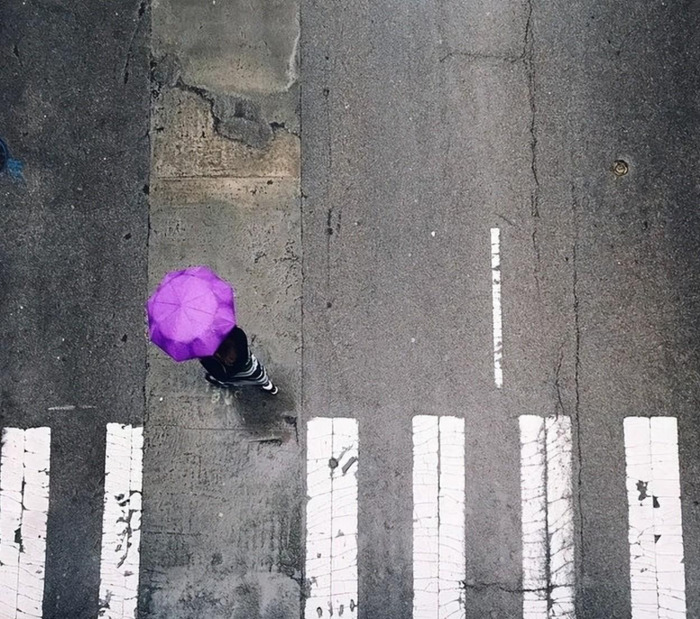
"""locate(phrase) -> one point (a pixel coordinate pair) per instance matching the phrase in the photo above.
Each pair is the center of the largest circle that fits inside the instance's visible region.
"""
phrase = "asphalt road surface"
(74, 112)
(425, 125)
(500, 226)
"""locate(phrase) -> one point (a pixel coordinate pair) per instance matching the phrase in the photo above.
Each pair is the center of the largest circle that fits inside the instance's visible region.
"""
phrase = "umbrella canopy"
(190, 313)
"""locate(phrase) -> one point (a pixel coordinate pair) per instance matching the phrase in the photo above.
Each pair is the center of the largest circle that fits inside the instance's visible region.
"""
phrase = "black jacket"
(224, 373)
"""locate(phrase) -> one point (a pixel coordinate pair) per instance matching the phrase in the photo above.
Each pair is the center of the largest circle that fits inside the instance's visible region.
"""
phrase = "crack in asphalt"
(130, 49)
(576, 418)
(557, 383)
(480, 56)
(478, 586)
(529, 63)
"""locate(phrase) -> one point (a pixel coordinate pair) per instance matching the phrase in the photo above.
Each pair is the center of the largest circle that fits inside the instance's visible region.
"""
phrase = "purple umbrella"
(190, 313)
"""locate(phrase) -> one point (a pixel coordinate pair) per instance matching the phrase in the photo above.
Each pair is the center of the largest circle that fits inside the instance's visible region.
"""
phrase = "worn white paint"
(439, 562)
(71, 407)
(496, 303)
(547, 517)
(657, 574)
(24, 506)
(121, 522)
(331, 517)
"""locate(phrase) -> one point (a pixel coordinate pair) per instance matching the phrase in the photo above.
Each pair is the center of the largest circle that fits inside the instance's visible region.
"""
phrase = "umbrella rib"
(197, 309)
(175, 309)
(199, 296)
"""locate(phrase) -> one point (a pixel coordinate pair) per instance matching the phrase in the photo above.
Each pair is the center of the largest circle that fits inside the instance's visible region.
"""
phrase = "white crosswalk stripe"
(547, 517)
(121, 522)
(439, 562)
(24, 505)
(657, 573)
(331, 517)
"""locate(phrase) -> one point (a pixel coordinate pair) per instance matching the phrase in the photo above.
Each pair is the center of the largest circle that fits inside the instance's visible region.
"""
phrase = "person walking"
(233, 365)
(192, 315)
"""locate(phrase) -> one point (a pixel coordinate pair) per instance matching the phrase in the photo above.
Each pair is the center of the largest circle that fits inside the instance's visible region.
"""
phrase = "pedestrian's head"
(226, 352)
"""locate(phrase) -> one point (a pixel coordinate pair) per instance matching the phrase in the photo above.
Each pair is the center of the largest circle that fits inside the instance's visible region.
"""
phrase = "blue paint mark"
(14, 167)
(4, 155)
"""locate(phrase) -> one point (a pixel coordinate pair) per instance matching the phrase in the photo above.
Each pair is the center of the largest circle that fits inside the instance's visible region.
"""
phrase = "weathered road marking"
(439, 562)
(331, 517)
(657, 575)
(496, 301)
(24, 506)
(121, 522)
(547, 517)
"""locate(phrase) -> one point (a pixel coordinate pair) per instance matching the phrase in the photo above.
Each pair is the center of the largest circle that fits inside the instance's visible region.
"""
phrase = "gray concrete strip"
(223, 470)
(233, 48)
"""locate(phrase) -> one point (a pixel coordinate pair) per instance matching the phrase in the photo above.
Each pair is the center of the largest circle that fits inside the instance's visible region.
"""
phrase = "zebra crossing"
(656, 562)
(657, 577)
(25, 456)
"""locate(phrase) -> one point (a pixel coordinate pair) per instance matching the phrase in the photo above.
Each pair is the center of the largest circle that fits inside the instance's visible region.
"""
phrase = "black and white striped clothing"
(252, 373)
(247, 370)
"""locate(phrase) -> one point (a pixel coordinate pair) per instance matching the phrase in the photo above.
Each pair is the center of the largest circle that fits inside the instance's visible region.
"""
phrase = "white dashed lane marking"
(547, 517)
(496, 306)
(121, 523)
(331, 518)
(439, 563)
(657, 574)
(24, 506)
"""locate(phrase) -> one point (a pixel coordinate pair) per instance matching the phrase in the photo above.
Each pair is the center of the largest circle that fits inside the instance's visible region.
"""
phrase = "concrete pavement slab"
(222, 469)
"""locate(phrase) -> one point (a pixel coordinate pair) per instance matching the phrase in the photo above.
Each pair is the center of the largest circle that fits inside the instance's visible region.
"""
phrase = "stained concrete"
(231, 46)
(223, 490)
